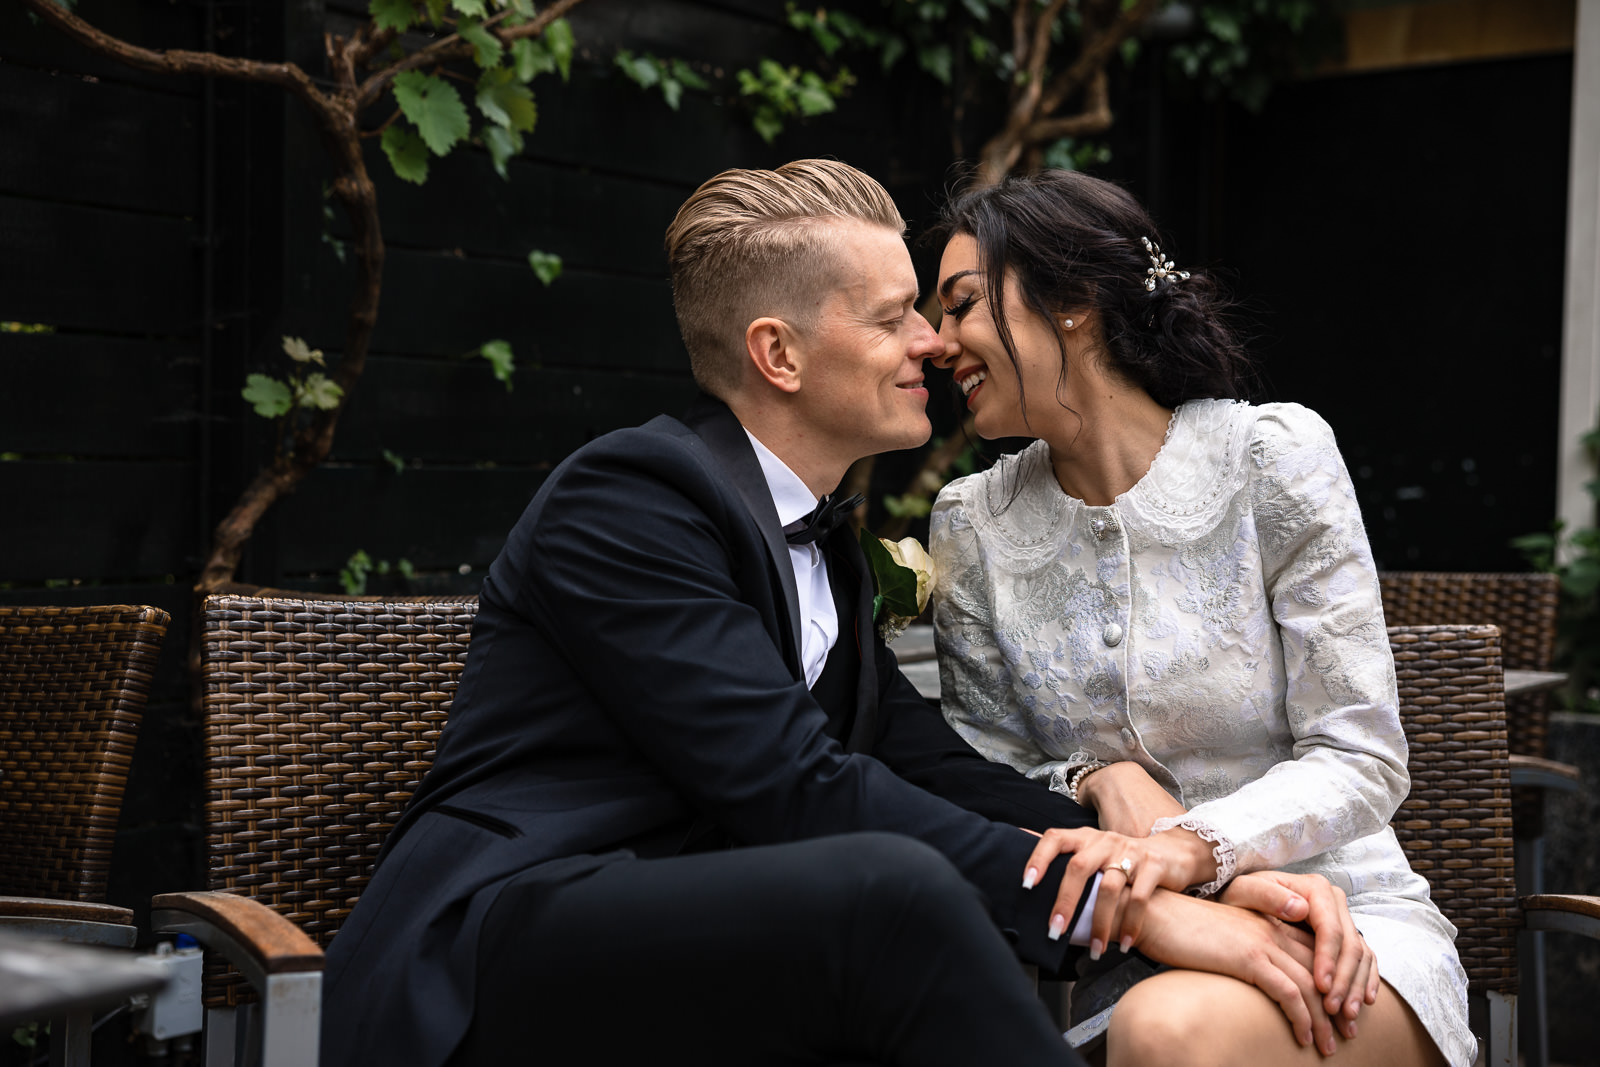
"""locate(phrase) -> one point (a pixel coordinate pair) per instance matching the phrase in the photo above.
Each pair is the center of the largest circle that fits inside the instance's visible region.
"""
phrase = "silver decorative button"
(1112, 635)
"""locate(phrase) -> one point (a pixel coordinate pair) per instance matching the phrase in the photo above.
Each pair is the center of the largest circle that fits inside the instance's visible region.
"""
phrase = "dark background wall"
(1400, 236)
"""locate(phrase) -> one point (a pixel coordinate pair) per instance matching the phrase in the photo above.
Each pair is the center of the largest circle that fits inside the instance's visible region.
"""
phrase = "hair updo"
(1072, 243)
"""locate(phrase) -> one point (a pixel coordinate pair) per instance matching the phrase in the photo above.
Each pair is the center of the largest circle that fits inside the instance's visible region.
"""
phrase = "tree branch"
(286, 76)
(454, 47)
(1095, 55)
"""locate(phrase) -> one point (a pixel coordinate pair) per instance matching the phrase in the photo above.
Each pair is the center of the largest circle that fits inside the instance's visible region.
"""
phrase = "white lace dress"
(1220, 624)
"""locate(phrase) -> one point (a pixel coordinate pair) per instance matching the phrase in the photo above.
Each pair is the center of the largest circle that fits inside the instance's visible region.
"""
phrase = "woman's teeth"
(972, 381)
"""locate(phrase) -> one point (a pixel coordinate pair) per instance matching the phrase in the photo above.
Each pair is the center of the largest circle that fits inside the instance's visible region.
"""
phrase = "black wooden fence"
(1401, 235)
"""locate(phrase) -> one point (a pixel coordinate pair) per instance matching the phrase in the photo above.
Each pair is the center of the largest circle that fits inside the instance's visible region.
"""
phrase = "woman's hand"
(1127, 800)
(1134, 867)
(1276, 958)
(1345, 969)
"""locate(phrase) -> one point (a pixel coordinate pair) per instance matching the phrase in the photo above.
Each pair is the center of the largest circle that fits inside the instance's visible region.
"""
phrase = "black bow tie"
(829, 514)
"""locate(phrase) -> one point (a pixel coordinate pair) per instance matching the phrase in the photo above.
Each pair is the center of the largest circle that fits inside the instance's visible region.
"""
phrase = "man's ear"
(772, 347)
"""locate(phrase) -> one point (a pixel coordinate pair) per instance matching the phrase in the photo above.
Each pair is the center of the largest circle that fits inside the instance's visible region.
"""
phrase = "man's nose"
(948, 348)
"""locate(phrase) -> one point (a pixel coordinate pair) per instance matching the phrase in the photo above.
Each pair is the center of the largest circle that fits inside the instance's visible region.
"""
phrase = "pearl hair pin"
(1163, 268)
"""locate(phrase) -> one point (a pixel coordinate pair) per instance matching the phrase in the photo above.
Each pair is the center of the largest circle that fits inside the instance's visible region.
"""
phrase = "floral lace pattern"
(1220, 624)
(1227, 862)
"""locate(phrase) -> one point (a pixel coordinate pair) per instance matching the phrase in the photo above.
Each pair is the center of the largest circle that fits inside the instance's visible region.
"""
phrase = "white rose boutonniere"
(902, 579)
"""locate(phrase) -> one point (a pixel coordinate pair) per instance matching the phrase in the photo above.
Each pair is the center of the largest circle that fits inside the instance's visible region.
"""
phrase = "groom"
(686, 805)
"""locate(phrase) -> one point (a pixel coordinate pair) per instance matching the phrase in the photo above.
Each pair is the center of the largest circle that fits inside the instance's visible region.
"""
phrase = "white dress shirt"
(819, 620)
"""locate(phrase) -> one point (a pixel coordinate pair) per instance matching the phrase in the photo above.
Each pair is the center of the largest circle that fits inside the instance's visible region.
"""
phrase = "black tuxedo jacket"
(634, 685)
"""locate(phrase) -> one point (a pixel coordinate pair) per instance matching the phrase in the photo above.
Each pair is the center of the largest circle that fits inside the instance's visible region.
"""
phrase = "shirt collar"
(790, 496)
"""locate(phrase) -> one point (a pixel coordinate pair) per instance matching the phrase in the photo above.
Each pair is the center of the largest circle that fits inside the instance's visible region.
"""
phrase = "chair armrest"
(1543, 773)
(1566, 912)
(253, 937)
(77, 921)
(49, 908)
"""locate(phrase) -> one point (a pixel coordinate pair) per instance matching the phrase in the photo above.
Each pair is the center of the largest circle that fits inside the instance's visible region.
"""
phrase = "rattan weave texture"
(321, 718)
(1455, 825)
(73, 681)
(1523, 606)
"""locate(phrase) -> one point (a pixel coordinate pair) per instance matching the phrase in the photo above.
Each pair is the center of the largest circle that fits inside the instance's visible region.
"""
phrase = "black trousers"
(863, 948)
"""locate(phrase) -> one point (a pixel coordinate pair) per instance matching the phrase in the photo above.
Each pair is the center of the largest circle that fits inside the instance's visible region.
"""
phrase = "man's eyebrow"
(949, 283)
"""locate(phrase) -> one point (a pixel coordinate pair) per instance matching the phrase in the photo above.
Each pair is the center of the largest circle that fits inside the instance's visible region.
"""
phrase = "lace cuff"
(1227, 861)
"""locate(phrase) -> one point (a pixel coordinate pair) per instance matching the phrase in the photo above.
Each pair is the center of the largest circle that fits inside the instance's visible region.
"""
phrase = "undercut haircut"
(752, 243)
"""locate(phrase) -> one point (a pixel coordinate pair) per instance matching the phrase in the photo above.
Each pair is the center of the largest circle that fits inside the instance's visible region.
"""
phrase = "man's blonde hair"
(751, 243)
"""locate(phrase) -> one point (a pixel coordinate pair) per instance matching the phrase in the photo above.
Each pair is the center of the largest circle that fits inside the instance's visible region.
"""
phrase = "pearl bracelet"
(1079, 775)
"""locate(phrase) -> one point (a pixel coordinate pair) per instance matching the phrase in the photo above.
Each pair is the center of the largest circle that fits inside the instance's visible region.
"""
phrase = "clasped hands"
(1255, 932)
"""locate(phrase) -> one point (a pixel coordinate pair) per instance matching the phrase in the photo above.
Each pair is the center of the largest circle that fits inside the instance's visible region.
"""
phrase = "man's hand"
(1276, 958)
(1126, 799)
(1344, 968)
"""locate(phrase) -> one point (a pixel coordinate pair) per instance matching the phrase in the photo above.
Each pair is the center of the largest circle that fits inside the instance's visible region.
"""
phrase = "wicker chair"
(1523, 606)
(73, 682)
(1456, 824)
(321, 719)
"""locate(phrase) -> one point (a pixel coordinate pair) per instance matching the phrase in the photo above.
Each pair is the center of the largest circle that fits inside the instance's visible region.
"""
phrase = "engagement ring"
(1126, 867)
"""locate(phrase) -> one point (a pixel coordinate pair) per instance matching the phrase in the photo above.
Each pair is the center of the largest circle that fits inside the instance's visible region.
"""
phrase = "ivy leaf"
(296, 349)
(937, 61)
(672, 92)
(506, 101)
(434, 107)
(547, 265)
(407, 154)
(812, 96)
(531, 59)
(685, 73)
(767, 123)
(267, 395)
(320, 391)
(486, 47)
(498, 353)
(471, 8)
(559, 40)
(503, 146)
(644, 70)
(394, 15)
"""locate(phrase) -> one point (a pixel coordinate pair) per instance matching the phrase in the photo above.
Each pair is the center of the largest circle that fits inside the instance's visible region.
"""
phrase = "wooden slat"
(584, 319)
(85, 267)
(454, 411)
(438, 518)
(143, 395)
(152, 25)
(99, 142)
(96, 520)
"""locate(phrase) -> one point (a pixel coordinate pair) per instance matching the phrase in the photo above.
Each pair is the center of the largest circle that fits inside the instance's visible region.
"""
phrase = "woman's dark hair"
(1072, 243)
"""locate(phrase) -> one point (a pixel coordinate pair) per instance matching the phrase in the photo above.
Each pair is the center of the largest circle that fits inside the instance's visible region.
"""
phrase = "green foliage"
(498, 353)
(283, 399)
(269, 396)
(433, 117)
(1578, 628)
(670, 76)
(434, 107)
(546, 265)
(395, 460)
(778, 93)
(354, 574)
(1070, 153)
(908, 506)
(1243, 47)
(896, 586)
(25, 327)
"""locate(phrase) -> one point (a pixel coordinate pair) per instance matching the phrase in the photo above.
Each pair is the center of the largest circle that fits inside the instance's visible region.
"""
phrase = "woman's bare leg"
(1196, 1019)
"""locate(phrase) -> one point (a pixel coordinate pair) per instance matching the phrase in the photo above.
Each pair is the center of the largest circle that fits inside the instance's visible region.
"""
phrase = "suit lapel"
(714, 424)
(847, 556)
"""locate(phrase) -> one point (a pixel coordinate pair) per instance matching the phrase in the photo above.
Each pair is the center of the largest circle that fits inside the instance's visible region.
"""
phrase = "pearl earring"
(1066, 324)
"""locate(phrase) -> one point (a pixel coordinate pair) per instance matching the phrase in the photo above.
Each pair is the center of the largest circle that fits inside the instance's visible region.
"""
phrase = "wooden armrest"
(1566, 912)
(76, 910)
(1542, 773)
(271, 943)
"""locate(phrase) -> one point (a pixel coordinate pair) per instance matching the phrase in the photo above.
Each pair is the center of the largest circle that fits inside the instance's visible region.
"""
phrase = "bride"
(1167, 609)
